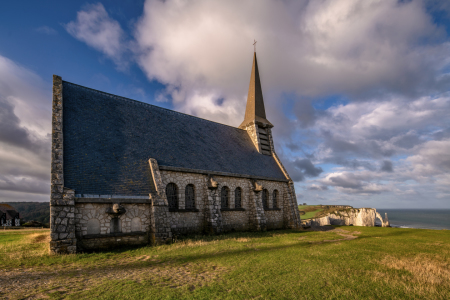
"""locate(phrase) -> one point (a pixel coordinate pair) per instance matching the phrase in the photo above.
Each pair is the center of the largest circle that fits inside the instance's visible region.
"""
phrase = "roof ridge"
(144, 103)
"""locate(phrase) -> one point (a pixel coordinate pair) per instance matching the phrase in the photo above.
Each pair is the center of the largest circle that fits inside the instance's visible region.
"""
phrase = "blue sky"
(357, 90)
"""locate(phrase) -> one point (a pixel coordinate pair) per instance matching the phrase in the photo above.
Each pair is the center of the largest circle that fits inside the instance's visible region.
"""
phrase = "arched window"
(136, 224)
(275, 199)
(93, 226)
(224, 194)
(265, 198)
(172, 195)
(237, 198)
(190, 197)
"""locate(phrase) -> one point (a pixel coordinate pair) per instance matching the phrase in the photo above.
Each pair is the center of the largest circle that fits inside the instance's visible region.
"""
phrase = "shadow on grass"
(255, 236)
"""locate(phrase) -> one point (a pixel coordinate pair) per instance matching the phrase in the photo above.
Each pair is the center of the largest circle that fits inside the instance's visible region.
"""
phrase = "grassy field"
(334, 263)
(311, 211)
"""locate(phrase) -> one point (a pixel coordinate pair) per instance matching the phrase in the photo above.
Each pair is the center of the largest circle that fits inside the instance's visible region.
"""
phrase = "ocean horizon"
(417, 218)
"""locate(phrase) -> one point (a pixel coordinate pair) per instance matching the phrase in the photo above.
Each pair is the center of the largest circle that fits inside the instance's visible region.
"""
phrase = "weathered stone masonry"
(62, 204)
(114, 159)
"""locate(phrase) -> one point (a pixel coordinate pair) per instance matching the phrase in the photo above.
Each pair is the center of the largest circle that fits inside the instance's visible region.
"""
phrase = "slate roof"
(108, 140)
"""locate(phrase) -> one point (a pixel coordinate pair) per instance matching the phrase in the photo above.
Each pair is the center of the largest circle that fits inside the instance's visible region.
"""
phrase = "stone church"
(130, 173)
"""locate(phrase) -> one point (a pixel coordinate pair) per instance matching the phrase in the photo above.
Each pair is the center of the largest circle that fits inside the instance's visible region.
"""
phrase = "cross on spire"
(254, 45)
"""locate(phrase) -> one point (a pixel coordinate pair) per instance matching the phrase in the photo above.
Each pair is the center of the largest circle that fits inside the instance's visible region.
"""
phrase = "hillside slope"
(37, 211)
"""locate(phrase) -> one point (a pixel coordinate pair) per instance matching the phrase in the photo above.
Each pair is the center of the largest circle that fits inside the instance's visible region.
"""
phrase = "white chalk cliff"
(352, 216)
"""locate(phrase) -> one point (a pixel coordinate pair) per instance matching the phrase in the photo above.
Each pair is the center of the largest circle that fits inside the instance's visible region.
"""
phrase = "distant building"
(304, 204)
(8, 215)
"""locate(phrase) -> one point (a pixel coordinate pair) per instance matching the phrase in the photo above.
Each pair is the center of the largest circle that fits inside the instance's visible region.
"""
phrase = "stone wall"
(135, 219)
(183, 221)
(112, 241)
(62, 222)
(247, 217)
(94, 216)
(94, 223)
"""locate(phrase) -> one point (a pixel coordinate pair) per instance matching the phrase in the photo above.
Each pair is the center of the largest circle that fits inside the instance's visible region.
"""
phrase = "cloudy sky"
(358, 90)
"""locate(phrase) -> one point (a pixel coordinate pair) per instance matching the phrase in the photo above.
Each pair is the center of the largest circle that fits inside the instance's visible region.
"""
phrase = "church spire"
(255, 111)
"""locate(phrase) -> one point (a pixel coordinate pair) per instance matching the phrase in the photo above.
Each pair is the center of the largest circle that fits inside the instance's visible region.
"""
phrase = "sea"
(417, 218)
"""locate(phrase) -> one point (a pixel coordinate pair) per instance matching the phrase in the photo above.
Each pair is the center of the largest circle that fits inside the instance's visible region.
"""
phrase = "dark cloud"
(301, 168)
(441, 134)
(25, 138)
(387, 166)
(338, 144)
(11, 132)
(315, 187)
(14, 134)
(351, 163)
(346, 181)
(24, 185)
(408, 141)
(363, 147)
(305, 113)
(293, 146)
(354, 183)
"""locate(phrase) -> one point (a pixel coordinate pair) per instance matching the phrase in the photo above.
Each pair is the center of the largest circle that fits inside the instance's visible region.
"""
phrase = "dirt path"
(32, 284)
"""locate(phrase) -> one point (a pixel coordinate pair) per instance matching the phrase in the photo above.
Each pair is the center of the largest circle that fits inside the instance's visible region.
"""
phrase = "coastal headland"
(322, 215)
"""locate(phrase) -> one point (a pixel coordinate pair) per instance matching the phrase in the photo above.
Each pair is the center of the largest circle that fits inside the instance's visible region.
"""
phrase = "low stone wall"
(105, 242)
(92, 218)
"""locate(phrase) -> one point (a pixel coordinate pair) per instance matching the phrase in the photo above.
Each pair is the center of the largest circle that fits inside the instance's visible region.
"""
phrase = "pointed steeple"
(255, 111)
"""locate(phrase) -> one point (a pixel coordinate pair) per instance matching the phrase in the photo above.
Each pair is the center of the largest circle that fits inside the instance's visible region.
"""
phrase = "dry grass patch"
(242, 240)
(424, 276)
(424, 270)
(347, 235)
(35, 245)
(40, 238)
(191, 243)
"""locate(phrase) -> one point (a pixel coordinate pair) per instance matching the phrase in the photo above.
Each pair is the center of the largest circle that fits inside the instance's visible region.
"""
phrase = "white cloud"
(384, 57)
(46, 30)
(431, 158)
(307, 47)
(94, 27)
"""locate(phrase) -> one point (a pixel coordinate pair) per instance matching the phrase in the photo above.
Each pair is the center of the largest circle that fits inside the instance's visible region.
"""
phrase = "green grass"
(311, 211)
(311, 214)
(381, 263)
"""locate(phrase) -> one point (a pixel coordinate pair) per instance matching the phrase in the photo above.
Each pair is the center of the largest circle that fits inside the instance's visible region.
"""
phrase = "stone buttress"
(160, 231)
(62, 204)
